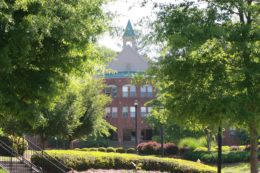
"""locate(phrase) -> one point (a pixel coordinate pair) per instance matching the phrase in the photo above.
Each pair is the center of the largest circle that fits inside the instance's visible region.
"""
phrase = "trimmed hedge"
(149, 148)
(171, 149)
(111, 150)
(154, 148)
(120, 150)
(131, 150)
(80, 161)
(212, 157)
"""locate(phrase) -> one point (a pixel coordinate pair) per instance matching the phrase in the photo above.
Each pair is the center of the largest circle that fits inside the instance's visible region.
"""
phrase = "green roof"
(129, 31)
(122, 74)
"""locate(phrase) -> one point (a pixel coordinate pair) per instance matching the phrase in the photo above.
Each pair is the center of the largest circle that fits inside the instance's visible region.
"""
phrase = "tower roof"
(129, 31)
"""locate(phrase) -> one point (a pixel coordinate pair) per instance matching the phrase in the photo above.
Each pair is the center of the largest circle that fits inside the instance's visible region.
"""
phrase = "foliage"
(171, 149)
(131, 150)
(16, 143)
(111, 149)
(211, 157)
(102, 149)
(42, 43)
(209, 72)
(193, 143)
(81, 161)
(120, 150)
(78, 113)
(149, 148)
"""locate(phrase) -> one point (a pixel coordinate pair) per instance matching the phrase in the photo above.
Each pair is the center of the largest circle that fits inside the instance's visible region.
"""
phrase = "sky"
(123, 11)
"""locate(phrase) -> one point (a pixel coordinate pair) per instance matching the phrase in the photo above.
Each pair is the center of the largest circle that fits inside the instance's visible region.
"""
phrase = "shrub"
(149, 148)
(235, 148)
(247, 148)
(92, 149)
(120, 150)
(192, 143)
(18, 144)
(201, 149)
(211, 157)
(102, 149)
(81, 161)
(184, 150)
(171, 149)
(131, 150)
(111, 150)
(225, 148)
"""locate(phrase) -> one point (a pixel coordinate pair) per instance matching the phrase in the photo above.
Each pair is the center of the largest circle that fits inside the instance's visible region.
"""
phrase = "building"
(121, 112)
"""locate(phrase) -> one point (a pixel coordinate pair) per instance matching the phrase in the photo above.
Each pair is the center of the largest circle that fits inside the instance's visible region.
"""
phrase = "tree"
(210, 72)
(76, 114)
(42, 43)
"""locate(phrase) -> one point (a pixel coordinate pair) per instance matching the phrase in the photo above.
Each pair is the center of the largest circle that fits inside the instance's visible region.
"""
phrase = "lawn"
(2, 171)
(237, 168)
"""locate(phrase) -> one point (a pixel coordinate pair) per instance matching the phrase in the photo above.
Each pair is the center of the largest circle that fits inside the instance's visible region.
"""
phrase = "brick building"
(121, 112)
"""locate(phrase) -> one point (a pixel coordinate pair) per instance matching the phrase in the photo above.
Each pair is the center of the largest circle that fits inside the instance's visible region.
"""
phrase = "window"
(149, 110)
(125, 91)
(146, 91)
(108, 111)
(111, 90)
(132, 112)
(114, 112)
(143, 111)
(127, 134)
(132, 91)
(149, 91)
(125, 112)
(129, 91)
(147, 134)
(143, 91)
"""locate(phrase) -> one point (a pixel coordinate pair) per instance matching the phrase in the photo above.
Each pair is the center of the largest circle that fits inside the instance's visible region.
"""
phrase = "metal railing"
(15, 163)
(56, 164)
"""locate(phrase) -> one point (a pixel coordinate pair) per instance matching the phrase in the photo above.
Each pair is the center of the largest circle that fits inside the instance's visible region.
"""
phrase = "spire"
(129, 31)
(129, 37)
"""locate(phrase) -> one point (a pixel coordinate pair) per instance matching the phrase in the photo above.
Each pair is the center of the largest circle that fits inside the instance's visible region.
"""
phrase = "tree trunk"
(43, 141)
(253, 147)
(70, 143)
(219, 149)
(209, 140)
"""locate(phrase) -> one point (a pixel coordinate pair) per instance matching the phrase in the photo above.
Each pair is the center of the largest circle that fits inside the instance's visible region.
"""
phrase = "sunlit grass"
(237, 168)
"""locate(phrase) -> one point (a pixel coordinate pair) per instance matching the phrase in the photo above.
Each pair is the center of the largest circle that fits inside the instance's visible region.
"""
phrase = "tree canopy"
(42, 43)
(209, 72)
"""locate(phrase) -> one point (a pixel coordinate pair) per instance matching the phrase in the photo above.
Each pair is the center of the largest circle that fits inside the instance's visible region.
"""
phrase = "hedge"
(212, 157)
(83, 160)
(154, 148)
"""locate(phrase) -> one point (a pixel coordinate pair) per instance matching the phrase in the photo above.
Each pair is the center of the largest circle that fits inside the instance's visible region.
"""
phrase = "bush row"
(227, 148)
(109, 149)
(154, 148)
(212, 157)
(84, 160)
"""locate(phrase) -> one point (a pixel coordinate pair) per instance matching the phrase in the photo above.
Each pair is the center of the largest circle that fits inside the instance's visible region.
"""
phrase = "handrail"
(2, 166)
(18, 156)
(45, 155)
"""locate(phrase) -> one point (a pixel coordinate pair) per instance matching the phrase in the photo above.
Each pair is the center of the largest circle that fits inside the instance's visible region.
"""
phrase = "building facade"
(122, 111)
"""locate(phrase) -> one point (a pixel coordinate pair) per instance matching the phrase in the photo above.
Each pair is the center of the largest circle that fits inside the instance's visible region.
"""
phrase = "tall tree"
(211, 69)
(76, 114)
(41, 44)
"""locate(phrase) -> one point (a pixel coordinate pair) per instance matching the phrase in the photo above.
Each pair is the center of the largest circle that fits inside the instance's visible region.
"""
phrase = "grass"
(83, 160)
(237, 168)
(2, 171)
